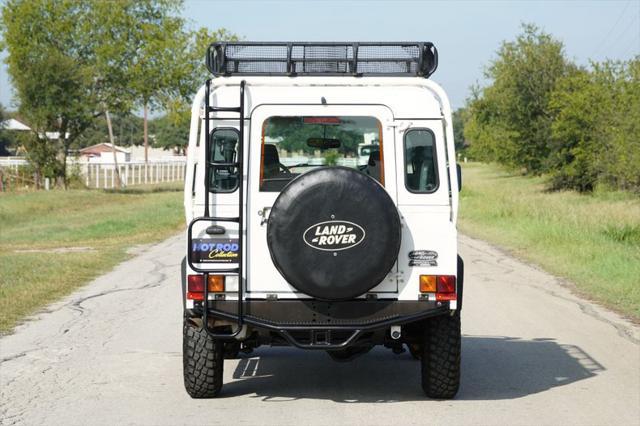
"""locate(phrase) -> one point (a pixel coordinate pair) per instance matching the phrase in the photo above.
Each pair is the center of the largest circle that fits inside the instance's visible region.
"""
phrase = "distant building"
(154, 154)
(103, 153)
(13, 124)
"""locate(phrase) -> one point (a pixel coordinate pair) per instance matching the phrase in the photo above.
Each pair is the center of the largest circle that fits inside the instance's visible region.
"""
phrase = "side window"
(224, 149)
(420, 166)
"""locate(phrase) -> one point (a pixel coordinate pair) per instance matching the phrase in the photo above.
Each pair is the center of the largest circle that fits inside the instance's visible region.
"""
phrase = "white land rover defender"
(292, 238)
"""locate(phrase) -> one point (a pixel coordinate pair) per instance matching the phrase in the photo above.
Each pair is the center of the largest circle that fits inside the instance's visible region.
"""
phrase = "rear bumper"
(311, 324)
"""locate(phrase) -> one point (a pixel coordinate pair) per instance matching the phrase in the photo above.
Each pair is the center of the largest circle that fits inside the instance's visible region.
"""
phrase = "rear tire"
(441, 357)
(202, 361)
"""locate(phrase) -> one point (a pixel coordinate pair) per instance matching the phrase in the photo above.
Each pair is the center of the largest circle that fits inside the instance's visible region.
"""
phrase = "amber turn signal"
(427, 283)
(216, 283)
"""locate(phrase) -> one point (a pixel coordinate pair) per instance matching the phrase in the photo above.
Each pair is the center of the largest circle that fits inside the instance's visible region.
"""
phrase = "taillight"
(195, 285)
(444, 286)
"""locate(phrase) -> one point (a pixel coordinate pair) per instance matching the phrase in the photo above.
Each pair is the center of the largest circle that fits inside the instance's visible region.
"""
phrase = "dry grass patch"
(53, 242)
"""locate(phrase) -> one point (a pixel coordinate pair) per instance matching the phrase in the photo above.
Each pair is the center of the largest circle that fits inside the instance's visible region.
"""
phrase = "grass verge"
(53, 242)
(593, 240)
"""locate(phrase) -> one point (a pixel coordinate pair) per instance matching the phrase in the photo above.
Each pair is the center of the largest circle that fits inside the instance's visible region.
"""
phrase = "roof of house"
(102, 147)
(13, 124)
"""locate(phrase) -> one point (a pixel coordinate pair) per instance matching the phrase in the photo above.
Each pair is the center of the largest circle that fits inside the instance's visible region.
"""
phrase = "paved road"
(532, 354)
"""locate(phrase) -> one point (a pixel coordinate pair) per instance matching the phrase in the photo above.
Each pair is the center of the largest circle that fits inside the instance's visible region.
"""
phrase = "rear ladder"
(238, 164)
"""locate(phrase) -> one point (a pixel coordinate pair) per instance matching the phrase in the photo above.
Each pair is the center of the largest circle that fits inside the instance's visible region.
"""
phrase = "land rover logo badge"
(334, 235)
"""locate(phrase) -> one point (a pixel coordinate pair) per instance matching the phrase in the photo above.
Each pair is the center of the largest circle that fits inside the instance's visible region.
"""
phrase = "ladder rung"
(220, 164)
(224, 109)
(219, 271)
(224, 219)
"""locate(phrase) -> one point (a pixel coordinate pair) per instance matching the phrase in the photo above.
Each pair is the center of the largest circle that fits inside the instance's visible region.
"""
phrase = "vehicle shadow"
(493, 368)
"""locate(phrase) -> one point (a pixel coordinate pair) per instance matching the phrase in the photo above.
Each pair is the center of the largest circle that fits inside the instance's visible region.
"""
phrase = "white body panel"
(400, 103)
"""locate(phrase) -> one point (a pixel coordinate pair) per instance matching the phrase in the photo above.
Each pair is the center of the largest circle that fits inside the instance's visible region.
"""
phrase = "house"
(13, 124)
(103, 153)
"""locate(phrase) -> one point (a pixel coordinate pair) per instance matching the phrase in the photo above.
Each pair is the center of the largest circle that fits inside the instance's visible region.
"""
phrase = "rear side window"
(420, 166)
(224, 149)
(293, 145)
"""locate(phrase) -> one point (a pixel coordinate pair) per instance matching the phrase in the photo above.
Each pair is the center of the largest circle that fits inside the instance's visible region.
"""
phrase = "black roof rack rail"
(410, 59)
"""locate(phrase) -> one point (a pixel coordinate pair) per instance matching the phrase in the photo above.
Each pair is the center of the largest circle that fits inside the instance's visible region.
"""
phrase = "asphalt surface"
(533, 353)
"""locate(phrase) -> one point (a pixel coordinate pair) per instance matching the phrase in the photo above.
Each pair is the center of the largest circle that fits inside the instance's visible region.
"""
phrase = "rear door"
(279, 143)
(428, 235)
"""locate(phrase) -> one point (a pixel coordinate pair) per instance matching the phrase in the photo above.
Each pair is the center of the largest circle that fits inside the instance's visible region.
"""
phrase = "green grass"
(107, 222)
(593, 240)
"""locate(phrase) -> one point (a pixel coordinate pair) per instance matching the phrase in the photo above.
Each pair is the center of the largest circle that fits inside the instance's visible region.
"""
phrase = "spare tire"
(334, 233)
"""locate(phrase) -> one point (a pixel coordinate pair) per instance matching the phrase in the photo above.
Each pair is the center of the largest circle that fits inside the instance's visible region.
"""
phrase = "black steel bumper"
(311, 324)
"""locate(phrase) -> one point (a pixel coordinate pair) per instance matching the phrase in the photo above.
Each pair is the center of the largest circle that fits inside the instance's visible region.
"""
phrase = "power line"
(624, 31)
(604, 40)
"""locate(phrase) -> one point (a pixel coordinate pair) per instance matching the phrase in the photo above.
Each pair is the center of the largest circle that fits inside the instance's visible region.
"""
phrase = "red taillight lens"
(195, 287)
(446, 287)
(195, 283)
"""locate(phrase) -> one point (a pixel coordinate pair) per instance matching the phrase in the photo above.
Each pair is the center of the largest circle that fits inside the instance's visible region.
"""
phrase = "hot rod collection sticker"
(423, 258)
(215, 250)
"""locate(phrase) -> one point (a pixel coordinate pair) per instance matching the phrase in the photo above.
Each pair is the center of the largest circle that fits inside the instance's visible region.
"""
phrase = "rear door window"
(420, 166)
(224, 147)
(293, 145)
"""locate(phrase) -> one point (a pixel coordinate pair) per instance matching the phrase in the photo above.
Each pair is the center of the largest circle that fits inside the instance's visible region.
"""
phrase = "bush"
(508, 120)
(542, 114)
(596, 130)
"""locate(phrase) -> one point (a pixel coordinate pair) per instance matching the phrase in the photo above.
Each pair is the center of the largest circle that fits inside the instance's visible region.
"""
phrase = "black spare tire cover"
(334, 233)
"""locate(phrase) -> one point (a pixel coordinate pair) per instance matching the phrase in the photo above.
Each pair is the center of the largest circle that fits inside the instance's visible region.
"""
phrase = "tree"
(86, 58)
(509, 119)
(168, 135)
(127, 129)
(458, 120)
(159, 70)
(189, 77)
(51, 74)
(596, 130)
(117, 44)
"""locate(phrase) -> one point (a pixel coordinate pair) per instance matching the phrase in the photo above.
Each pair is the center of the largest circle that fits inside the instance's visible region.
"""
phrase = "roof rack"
(322, 58)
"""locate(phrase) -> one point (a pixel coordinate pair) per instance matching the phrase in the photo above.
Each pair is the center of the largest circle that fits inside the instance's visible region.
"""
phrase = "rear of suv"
(321, 199)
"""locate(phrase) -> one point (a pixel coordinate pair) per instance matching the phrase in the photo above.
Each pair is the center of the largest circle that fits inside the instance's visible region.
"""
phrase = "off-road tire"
(441, 357)
(202, 360)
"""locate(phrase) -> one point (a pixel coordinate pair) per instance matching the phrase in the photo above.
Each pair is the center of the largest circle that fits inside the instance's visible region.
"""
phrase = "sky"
(466, 33)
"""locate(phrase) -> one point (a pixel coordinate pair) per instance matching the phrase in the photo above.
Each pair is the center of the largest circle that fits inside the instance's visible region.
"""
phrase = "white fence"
(103, 175)
(12, 163)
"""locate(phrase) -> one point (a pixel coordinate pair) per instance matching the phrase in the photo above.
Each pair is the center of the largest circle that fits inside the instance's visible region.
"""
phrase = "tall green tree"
(596, 127)
(158, 71)
(509, 119)
(190, 75)
(50, 69)
(73, 60)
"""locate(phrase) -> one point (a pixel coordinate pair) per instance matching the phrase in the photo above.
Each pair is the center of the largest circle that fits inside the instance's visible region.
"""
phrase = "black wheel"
(441, 357)
(202, 361)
